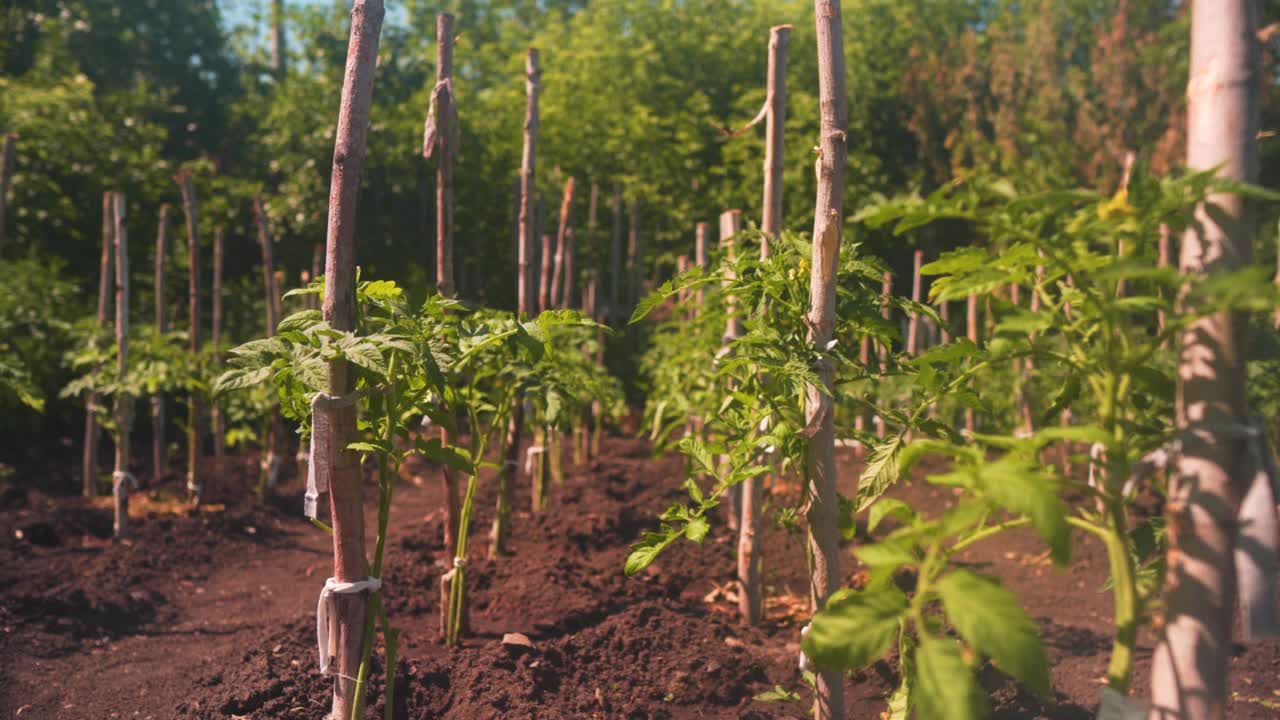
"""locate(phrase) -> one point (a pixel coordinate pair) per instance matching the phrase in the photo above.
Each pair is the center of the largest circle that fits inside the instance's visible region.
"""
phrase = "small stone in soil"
(517, 642)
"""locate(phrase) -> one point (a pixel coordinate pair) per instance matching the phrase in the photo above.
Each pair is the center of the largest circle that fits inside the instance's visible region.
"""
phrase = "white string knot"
(322, 407)
(125, 478)
(805, 663)
(528, 457)
(324, 614)
(459, 562)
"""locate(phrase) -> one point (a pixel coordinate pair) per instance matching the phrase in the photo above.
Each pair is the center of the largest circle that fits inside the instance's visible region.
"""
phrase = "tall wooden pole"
(506, 478)
(120, 477)
(275, 429)
(6, 175)
(730, 226)
(751, 591)
(342, 466)
(700, 257)
(544, 274)
(615, 258)
(563, 262)
(913, 324)
(219, 420)
(1164, 257)
(971, 329)
(158, 460)
(1213, 471)
(92, 433)
(445, 113)
(820, 459)
(195, 411)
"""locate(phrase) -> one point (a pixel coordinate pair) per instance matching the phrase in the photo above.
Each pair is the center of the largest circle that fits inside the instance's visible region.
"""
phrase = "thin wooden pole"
(820, 460)
(633, 255)
(158, 460)
(700, 257)
(730, 226)
(1163, 259)
(559, 280)
(444, 118)
(342, 466)
(1213, 470)
(917, 285)
(615, 258)
(92, 433)
(120, 479)
(511, 465)
(219, 419)
(270, 470)
(544, 276)
(10, 141)
(195, 413)
(971, 328)
(886, 289)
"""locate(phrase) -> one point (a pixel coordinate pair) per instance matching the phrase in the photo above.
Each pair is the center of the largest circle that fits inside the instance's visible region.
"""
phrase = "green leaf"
(992, 622)
(696, 529)
(1028, 491)
(880, 473)
(945, 685)
(890, 507)
(651, 544)
(777, 694)
(890, 553)
(856, 628)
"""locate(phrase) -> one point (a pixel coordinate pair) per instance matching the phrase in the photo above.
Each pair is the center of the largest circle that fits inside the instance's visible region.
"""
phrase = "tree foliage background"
(117, 95)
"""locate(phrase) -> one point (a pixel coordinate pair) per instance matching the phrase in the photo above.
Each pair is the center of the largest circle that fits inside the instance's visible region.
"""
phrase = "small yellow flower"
(1117, 206)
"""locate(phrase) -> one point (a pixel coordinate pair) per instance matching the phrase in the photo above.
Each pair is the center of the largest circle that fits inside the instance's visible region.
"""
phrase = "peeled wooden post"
(700, 256)
(92, 432)
(158, 462)
(219, 420)
(120, 477)
(730, 226)
(913, 325)
(971, 328)
(270, 470)
(195, 412)
(511, 465)
(1213, 471)
(750, 590)
(820, 459)
(6, 175)
(558, 279)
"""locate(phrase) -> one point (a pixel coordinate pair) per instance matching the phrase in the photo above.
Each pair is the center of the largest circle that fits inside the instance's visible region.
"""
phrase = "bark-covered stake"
(1189, 667)
(121, 480)
(342, 466)
(971, 328)
(544, 275)
(219, 420)
(751, 592)
(195, 413)
(730, 226)
(158, 460)
(913, 324)
(701, 232)
(270, 470)
(820, 456)
(511, 464)
(92, 432)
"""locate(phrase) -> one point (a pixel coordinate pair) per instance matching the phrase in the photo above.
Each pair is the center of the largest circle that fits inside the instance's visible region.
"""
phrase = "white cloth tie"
(324, 613)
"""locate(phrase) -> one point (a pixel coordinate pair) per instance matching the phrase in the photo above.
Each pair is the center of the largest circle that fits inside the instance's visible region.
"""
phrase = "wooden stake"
(511, 465)
(445, 113)
(1163, 259)
(158, 459)
(195, 413)
(120, 479)
(913, 325)
(10, 140)
(91, 431)
(971, 328)
(559, 281)
(219, 420)
(1213, 470)
(270, 470)
(700, 256)
(346, 489)
(544, 276)
(615, 259)
(730, 226)
(886, 289)
(820, 458)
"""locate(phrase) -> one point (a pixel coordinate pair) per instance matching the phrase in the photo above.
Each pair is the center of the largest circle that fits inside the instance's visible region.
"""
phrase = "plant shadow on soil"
(211, 615)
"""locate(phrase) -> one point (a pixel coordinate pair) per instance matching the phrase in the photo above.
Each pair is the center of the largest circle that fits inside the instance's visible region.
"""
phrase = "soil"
(211, 615)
